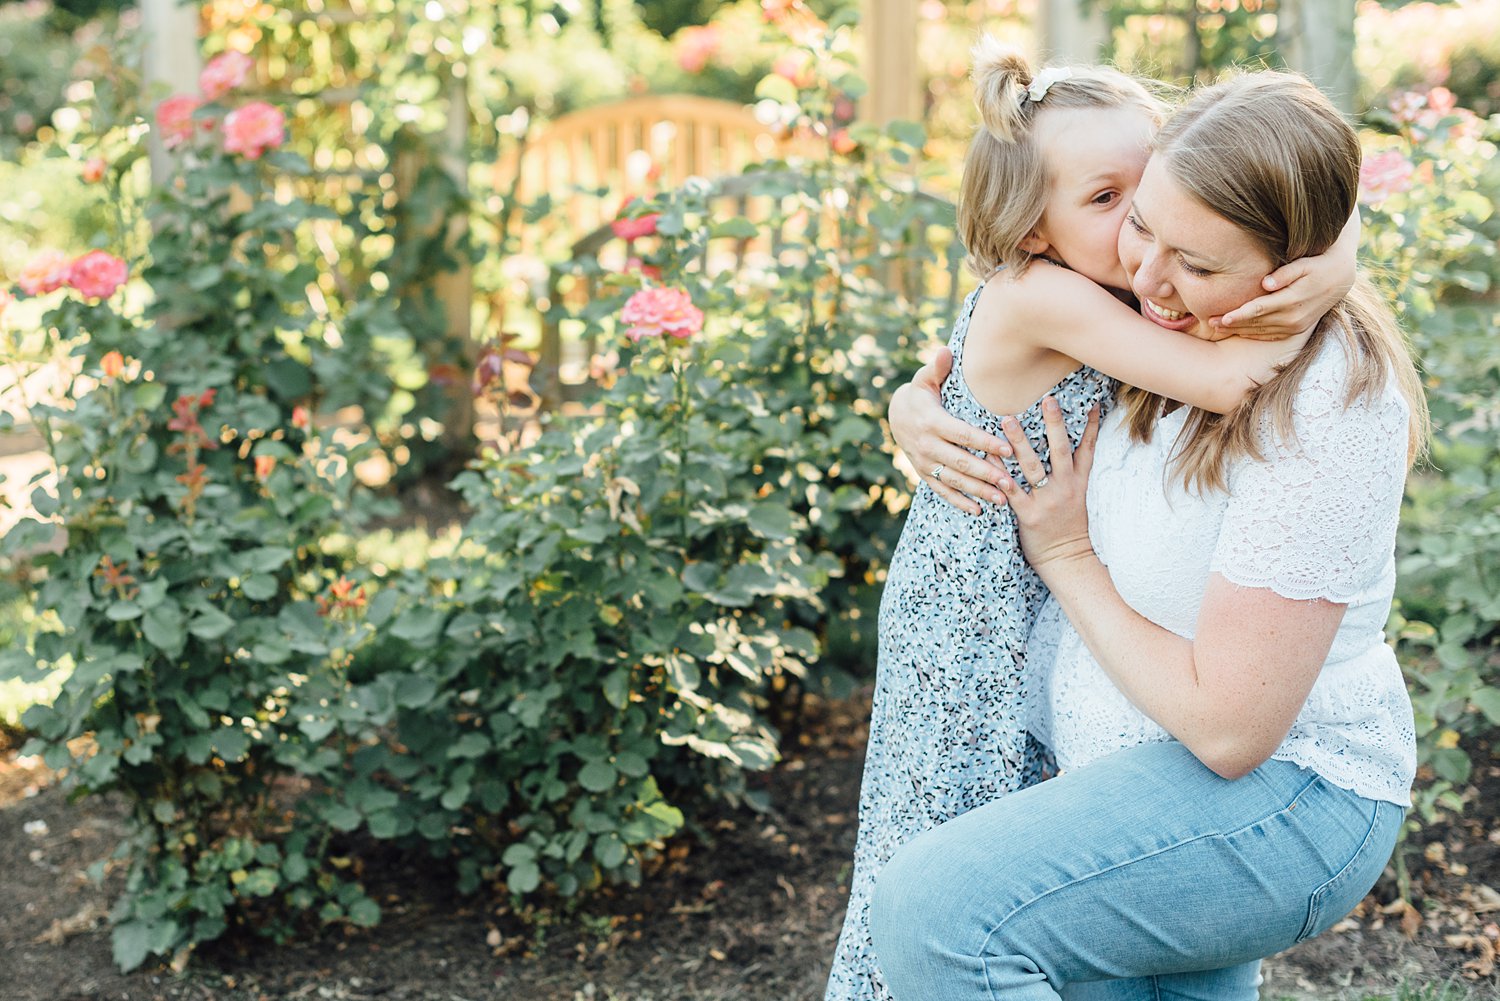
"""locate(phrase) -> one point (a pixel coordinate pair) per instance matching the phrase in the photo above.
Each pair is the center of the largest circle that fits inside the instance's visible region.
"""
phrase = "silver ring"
(937, 473)
(1039, 483)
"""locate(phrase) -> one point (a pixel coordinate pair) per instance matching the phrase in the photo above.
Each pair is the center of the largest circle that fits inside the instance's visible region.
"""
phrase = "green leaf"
(610, 851)
(210, 624)
(738, 227)
(262, 882)
(770, 520)
(341, 817)
(259, 587)
(163, 628)
(617, 688)
(597, 776)
(776, 88)
(1487, 701)
(122, 611)
(231, 743)
(907, 133)
(132, 942)
(365, 913)
(418, 626)
(524, 878)
(414, 691)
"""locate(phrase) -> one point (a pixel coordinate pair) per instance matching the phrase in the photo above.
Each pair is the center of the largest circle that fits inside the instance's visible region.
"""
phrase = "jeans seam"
(1315, 901)
(1223, 835)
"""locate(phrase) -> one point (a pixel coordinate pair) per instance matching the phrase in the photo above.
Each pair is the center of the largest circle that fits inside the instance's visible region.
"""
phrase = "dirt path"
(750, 916)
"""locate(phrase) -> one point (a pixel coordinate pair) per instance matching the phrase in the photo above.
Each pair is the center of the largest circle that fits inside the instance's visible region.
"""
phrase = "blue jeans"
(1141, 876)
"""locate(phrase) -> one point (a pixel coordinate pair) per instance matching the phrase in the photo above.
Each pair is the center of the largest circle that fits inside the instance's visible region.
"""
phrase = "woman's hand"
(1300, 292)
(937, 442)
(1052, 515)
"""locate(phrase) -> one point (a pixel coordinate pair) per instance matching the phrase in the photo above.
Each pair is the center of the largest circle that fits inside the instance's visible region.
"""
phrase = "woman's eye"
(1135, 224)
(1196, 272)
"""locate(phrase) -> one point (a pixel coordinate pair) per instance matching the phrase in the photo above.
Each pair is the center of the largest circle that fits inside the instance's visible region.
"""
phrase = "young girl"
(1046, 186)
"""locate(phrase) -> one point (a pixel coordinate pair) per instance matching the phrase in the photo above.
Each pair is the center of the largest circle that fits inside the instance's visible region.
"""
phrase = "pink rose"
(224, 72)
(174, 119)
(661, 312)
(795, 66)
(630, 229)
(696, 45)
(1384, 174)
(96, 275)
(93, 170)
(46, 272)
(253, 129)
(5, 300)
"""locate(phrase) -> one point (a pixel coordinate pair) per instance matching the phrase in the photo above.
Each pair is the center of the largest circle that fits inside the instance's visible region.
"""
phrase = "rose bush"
(1432, 185)
(204, 627)
(641, 597)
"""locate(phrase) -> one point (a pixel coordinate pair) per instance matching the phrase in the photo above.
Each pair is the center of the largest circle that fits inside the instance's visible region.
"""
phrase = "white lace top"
(1317, 520)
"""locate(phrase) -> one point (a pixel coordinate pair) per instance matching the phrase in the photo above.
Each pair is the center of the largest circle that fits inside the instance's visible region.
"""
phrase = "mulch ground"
(748, 913)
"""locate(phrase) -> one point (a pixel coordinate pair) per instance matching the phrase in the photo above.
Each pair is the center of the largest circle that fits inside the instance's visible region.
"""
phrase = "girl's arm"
(1299, 287)
(1060, 310)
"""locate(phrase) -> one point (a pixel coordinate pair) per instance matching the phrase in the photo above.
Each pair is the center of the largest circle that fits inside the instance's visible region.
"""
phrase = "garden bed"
(750, 914)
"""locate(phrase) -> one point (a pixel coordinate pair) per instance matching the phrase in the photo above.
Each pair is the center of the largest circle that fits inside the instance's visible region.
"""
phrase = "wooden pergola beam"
(170, 63)
(891, 71)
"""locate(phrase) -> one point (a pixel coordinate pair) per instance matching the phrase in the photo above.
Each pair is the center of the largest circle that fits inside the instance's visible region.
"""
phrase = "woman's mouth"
(1172, 319)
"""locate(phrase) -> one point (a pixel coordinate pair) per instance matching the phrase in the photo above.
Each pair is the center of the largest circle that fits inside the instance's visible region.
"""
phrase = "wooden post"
(170, 63)
(890, 30)
(455, 289)
(1071, 31)
(1316, 37)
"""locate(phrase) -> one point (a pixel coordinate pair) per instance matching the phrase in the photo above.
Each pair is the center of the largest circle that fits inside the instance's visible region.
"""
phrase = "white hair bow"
(1044, 80)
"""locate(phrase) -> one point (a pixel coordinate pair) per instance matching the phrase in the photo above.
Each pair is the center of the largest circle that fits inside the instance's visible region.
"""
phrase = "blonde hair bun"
(1001, 75)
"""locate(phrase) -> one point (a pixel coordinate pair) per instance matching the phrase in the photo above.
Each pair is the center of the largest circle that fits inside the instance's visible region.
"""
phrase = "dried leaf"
(1486, 899)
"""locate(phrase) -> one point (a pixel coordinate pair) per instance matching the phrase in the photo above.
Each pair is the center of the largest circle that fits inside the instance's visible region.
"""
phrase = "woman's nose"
(1152, 278)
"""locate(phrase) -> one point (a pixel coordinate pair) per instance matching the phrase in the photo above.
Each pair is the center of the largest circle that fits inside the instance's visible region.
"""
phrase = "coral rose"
(93, 170)
(253, 129)
(46, 272)
(1383, 175)
(112, 364)
(224, 73)
(629, 229)
(661, 312)
(696, 45)
(96, 275)
(842, 143)
(174, 119)
(263, 466)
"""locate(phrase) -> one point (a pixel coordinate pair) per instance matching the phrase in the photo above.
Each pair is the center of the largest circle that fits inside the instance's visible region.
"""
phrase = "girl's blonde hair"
(1269, 153)
(1004, 187)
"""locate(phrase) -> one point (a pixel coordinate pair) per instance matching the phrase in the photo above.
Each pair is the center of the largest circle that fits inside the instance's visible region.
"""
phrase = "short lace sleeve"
(1317, 518)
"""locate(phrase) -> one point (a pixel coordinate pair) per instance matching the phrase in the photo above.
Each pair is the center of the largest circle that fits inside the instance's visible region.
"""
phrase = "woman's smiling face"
(1186, 262)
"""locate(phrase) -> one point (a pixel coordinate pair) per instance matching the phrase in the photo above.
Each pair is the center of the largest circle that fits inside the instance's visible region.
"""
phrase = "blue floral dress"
(948, 729)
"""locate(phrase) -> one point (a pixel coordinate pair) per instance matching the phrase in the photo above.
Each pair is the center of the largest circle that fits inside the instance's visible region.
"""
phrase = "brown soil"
(749, 915)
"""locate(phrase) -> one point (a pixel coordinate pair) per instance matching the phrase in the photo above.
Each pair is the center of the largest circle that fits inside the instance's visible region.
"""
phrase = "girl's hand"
(936, 441)
(1301, 292)
(1052, 515)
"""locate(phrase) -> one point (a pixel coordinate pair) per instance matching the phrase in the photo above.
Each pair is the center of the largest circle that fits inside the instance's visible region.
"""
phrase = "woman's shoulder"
(1328, 411)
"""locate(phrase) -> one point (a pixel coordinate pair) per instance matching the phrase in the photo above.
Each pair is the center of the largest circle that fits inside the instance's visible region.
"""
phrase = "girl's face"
(1093, 158)
(1186, 262)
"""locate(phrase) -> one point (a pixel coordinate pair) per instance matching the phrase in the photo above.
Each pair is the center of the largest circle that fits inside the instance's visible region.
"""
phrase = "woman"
(1235, 735)
(1046, 184)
